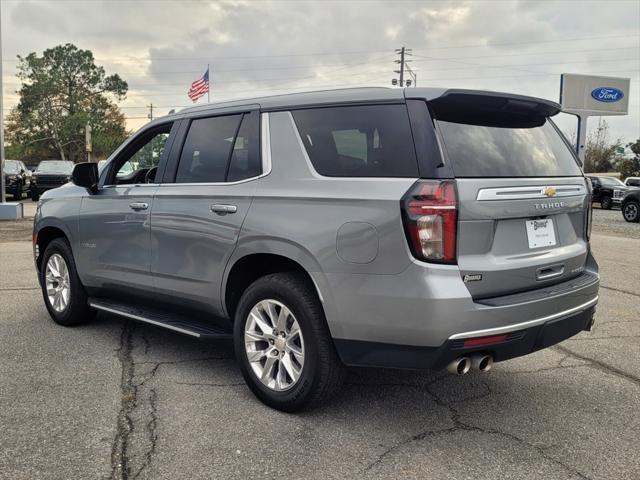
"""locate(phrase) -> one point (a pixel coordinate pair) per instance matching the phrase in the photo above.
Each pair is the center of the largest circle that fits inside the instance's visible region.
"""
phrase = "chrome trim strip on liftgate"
(521, 326)
(526, 192)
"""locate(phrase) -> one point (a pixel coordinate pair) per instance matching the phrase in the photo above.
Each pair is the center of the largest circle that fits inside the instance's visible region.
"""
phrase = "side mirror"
(86, 175)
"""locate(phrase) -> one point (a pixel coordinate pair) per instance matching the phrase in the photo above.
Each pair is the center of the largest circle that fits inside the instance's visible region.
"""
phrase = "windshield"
(477, 150)
(11, 166)
(55, 166)
(611, 182)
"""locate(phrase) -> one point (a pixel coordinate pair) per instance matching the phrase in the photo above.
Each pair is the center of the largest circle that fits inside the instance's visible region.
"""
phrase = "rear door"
(199, 207)
(522, 198)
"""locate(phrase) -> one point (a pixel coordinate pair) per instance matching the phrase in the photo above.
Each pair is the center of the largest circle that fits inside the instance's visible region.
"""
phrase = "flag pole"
(209, 83)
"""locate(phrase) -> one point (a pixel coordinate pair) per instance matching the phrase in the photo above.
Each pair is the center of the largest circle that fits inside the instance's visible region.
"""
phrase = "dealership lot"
(118, 399)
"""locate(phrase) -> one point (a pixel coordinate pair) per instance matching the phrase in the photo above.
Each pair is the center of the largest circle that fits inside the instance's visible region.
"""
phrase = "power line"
(364, 83)
(138, 86)
(524, 54)
(339, 53)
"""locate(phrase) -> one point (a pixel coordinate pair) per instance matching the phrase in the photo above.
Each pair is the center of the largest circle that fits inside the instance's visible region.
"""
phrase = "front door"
(197, 213)
(114, 231)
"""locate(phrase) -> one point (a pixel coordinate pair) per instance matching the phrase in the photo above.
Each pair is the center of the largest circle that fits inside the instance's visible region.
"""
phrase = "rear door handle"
(222, 209)
(138, 206)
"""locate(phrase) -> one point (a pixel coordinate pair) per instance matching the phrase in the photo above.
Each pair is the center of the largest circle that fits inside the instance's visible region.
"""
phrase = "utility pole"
(150, 116)
(2, 186)
(403, 52)
(87, 141)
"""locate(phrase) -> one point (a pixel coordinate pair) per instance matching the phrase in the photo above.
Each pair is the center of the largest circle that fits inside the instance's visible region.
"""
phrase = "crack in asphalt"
(605, 367)
(151, 432)
(211, 384)
(120, 468)
(130, 387)
(620, 290)
(459, 425)
(583, 339)
(18, 289)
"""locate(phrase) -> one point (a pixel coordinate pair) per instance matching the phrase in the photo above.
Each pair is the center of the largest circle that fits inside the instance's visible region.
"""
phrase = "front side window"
(139, 162)
(362, 141)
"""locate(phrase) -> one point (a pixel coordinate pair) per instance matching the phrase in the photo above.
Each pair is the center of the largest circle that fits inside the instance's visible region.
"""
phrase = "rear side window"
(363, 141)
(206, 149)
(478, 150)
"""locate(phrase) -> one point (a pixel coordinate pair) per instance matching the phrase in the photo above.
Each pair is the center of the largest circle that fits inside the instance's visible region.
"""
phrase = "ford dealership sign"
(607, 94)
(594, 95)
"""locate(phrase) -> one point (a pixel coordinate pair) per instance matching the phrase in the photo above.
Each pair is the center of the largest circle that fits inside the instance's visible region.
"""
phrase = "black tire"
(322, 373)
(631, 211)
(77, 311)
(606, 203)
(17, 195)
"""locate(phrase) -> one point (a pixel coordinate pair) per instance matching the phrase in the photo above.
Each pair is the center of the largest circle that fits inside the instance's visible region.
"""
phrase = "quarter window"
(245, 157)
(362, 141)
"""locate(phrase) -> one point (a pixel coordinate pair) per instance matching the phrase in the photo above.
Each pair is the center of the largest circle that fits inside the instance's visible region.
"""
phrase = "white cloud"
(263, 47)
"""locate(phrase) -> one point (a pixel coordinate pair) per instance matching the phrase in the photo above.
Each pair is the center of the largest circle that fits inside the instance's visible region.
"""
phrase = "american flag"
(199, 87)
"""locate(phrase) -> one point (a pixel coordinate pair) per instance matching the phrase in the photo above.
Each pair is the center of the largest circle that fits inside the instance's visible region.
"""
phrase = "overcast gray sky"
(266, 47)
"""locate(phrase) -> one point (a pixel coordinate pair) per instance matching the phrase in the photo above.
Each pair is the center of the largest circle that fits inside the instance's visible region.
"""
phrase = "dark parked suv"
(417, 228)
(17, 178)
(50, 174)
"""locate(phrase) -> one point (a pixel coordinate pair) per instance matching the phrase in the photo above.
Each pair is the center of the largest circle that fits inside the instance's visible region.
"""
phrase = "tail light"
(589, 212)
(430, 220)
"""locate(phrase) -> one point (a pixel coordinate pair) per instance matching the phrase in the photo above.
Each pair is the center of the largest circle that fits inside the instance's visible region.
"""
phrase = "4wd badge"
(476, 277)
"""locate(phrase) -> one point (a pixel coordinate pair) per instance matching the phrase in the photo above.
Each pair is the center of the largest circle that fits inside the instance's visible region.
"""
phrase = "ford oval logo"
(607, 94)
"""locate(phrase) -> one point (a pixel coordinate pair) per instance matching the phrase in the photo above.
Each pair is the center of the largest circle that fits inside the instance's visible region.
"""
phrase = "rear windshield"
(477, 150)
(362, 141)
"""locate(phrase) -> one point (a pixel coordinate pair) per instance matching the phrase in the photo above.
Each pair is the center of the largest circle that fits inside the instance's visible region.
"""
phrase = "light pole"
(2, 189)
(8, 211)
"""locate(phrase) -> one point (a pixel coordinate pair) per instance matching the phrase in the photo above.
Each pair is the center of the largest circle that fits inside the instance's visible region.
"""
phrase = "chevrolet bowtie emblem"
(549, 191)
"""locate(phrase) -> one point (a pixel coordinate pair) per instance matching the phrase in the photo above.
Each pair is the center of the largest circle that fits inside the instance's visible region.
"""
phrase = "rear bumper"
(423, 314)
(522, 339)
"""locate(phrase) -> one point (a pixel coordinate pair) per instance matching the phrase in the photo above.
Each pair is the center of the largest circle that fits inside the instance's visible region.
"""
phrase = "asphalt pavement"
(116, 399)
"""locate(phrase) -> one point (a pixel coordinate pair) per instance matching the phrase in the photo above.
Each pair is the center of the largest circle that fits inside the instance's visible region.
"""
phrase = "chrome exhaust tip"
(459, 366)
(482, 363)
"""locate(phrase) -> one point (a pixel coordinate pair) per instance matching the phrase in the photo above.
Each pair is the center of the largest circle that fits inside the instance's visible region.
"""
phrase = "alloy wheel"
(57, 282)
(274, 345)
(631, 212)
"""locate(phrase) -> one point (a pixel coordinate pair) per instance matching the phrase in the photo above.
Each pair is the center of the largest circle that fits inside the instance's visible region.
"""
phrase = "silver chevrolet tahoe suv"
(417, 228)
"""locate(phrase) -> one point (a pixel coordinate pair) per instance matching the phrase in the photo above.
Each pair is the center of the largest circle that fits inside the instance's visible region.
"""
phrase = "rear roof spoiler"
(492, 108)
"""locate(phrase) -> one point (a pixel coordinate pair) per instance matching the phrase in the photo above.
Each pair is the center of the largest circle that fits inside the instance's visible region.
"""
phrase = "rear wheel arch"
(250, 268)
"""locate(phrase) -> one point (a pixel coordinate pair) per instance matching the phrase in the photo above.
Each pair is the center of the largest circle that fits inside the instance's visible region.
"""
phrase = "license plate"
(540, 233)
